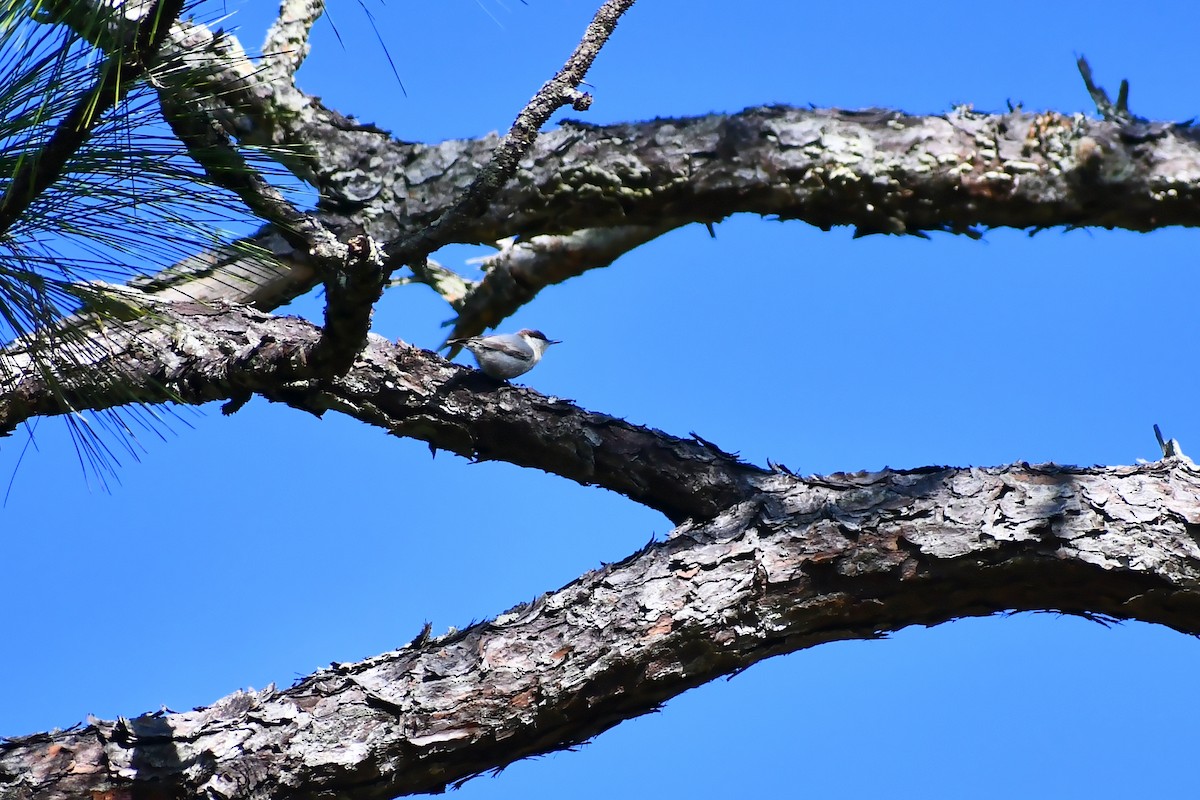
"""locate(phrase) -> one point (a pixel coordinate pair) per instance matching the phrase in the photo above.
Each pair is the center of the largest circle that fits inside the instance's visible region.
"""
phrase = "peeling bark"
(763, 562)
(800, 563)
(878, 171)
(194, 354)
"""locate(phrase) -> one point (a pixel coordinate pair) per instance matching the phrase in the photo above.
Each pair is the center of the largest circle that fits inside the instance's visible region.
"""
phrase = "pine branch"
(806, 562)
(39, 172)
(193, 353)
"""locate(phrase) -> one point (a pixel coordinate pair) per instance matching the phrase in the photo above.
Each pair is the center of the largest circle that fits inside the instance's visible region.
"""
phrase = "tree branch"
(520, 270)
(287, 44)
(804, 563)
(554, 94)
(353, 273)
(877, 171)
(193, 354)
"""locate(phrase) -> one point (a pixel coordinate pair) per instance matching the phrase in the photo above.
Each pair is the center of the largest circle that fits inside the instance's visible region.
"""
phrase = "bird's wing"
(510, 345)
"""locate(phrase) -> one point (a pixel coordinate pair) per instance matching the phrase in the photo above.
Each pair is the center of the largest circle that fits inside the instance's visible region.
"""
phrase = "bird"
(507, 355)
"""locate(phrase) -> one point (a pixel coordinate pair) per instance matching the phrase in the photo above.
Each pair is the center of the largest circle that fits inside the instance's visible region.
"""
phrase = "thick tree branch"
(803, 563)
(193, 354)
(352, 288)
(880, 171)
(877, 171)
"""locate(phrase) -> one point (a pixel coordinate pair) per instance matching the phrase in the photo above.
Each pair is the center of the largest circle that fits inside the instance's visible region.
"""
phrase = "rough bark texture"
(763, 562)
(521, 269)
(800, 563)
(193, 354)
(506, 157)
(879, 171)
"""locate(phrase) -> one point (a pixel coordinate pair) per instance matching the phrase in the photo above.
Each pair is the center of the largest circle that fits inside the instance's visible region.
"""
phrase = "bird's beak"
(554, 341)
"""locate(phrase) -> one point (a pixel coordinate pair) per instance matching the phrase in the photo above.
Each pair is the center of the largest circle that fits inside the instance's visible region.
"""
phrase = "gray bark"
(797, 563)
(878, 171)
(195, 354)
(762, 561)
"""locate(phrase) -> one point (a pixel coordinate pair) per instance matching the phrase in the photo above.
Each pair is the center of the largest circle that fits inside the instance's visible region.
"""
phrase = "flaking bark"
(194, 354)
(762, 563)
(800, 563)
(878, 171)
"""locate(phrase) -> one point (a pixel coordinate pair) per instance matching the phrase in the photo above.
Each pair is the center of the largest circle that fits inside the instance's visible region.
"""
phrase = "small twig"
(120, 70)
(1170, 447)
(450, 286)
(711, 446)
(211, 147)
(1113, 112)
(556, 93)
(780, 468)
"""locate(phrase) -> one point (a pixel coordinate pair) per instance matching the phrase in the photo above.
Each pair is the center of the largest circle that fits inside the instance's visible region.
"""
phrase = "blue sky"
(256, 548)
